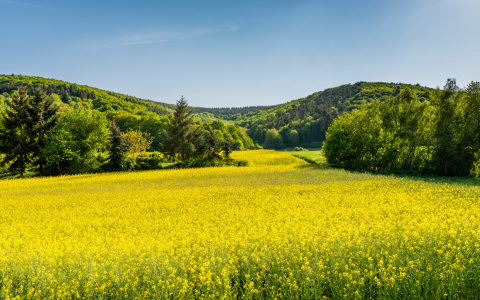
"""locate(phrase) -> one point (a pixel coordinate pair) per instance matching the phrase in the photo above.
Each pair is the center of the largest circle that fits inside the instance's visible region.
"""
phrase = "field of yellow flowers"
(277, 228)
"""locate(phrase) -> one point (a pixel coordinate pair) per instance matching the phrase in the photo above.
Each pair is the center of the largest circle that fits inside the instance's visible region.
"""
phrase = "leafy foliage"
(273, 140)
(311, 116)
(406, 134)
(77, 145)
(137, 141)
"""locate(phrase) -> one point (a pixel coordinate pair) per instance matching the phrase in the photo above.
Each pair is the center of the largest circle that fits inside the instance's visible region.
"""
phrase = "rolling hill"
(309, 116)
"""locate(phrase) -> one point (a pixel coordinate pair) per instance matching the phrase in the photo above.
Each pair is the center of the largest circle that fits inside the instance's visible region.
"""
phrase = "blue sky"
(226, 53)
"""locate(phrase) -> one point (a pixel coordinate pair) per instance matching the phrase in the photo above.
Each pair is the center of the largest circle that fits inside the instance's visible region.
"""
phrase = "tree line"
(42, 135)
(405, 134)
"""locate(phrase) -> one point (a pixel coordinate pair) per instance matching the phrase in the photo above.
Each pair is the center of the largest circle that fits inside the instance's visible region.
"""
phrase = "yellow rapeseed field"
(277, 228)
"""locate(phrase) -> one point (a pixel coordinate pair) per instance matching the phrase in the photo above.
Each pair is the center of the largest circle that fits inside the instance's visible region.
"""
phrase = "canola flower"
(276, 229)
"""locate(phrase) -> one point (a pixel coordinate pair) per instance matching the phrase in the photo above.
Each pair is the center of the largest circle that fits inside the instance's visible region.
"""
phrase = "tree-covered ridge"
(71, 93)
(310, 117)
(231, 113)
(301, 122)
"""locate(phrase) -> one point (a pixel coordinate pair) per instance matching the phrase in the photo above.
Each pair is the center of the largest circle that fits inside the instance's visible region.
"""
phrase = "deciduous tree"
(273, 139)
(137, 141)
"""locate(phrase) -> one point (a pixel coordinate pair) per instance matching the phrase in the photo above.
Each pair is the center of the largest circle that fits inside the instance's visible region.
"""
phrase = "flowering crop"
(274, 229)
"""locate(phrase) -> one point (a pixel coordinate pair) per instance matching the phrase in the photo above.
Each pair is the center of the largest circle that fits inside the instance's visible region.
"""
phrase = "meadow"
(314, 156)
(275, 229)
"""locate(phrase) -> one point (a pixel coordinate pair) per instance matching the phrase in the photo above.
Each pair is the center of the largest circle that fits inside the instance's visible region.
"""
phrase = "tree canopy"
(26, 126)
(404, 134)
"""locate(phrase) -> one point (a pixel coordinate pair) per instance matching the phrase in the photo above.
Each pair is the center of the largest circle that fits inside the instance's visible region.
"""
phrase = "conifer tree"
(181, 137)
(43, 117)
(118, 149)
(26, 126)
(15, 139)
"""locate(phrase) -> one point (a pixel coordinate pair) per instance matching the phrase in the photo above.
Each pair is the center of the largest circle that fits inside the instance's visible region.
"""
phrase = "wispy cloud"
(18, 3)
(132, 39)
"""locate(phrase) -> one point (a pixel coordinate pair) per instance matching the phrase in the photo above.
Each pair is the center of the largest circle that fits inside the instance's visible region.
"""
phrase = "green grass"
(313, 156)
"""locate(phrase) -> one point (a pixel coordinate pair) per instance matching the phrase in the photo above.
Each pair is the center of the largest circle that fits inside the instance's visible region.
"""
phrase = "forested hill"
(128, 112)
(305, 121)
(71, 94)
(299, 122)
(112, 103)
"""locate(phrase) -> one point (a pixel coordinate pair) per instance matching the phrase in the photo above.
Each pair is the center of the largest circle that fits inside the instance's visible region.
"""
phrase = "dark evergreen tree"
(15, 134)
(118, 149)
(182, 136)
(42, 118)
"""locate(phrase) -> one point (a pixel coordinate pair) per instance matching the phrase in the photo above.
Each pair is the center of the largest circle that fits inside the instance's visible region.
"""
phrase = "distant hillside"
(307, 117)
(311, 116)
(71, 93)
(107, 101)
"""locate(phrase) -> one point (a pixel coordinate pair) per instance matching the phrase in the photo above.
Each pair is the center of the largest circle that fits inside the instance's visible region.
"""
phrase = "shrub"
(149, 161)
(300, 149)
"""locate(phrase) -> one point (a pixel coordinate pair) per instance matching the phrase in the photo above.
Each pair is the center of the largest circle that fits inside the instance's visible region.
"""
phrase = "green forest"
(304, 122)
(300, 122)
(373, 126)
(49, 127)
(406, 133)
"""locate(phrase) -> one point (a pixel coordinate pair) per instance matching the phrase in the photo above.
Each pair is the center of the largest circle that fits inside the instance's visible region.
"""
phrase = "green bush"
(150, 161)
(300, 149)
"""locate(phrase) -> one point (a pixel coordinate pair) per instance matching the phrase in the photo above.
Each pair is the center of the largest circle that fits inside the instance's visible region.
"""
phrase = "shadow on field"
(469, 181)
(320, 163)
